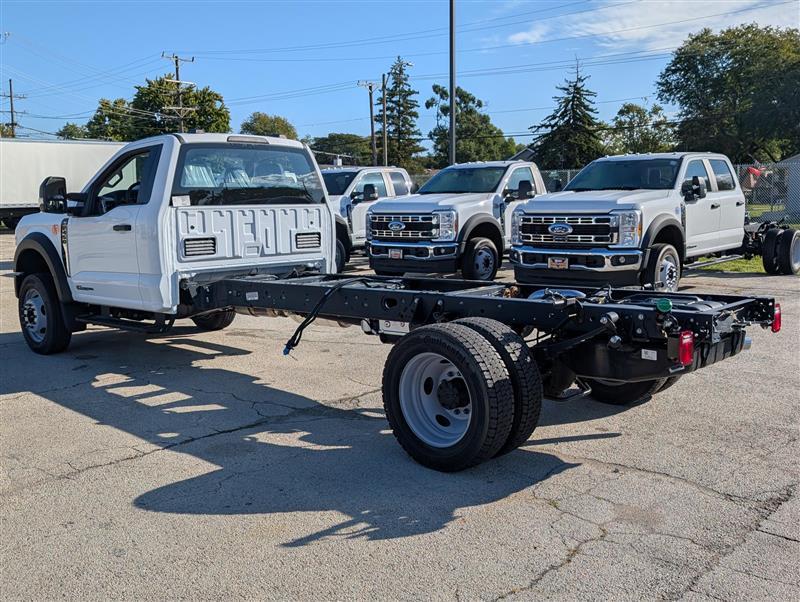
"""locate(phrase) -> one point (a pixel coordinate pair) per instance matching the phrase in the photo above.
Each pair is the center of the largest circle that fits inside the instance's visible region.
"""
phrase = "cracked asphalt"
(197, 466)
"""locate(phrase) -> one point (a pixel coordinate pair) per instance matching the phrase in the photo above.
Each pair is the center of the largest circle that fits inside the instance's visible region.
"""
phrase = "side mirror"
(370, 192)
(525, 190)
(53, 195)
(699, 187)
(76, 201)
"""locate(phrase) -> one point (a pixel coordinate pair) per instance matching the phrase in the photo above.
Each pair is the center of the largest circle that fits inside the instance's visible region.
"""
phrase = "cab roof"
(675, 155)
(475, 164)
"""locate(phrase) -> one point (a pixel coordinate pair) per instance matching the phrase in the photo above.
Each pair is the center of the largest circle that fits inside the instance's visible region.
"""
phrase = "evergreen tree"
(478, 139)
(570, 136)
(401, 119)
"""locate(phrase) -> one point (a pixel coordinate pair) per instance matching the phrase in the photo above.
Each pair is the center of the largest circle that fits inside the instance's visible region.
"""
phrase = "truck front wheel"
(621, 394)
(789, 252)
(448, 397)
(40, 316)
(481, 260)
(215, 321)
(663, 268)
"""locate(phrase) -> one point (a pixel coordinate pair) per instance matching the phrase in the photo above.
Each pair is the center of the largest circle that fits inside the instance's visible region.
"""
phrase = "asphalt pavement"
(208, 465)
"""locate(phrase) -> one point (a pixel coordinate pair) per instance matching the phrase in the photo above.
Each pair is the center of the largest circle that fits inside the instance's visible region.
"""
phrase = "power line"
(179, 110)
(11, 97)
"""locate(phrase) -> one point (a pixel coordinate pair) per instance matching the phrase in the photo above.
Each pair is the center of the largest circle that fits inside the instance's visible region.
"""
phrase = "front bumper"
(618, 267)
(416, 257)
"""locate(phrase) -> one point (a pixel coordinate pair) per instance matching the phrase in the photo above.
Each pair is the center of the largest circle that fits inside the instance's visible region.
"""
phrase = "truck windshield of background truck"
(228, 174)
(337, 181)
(455, 180)
(636, 174)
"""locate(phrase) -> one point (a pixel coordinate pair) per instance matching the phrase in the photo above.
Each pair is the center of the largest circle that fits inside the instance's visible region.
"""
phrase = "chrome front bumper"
(613, 260)
(380, 249)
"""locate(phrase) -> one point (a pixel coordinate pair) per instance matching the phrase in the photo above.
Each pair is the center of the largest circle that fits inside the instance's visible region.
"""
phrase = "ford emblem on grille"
(558, 229)
(396, 226)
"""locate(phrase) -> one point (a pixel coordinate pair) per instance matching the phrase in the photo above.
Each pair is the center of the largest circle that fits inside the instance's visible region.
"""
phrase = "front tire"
(769, 251)
(481, 260)
(663, 268)
(448, 397)
(620, 394)
(40, 315)
(215, 321)
(341, 256)
(789, 252)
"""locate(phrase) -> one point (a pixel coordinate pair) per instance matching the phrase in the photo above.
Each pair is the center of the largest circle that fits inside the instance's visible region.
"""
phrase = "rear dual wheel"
(780, 251)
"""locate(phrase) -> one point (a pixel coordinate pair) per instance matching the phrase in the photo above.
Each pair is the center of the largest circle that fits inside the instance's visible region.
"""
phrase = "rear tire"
(789, 252)
(40, 315)
(341, 256)
(664, 266)
(448, 397)
(769, 251)
(526, 380)
(216, 321)
(624, 393)
(481, 260)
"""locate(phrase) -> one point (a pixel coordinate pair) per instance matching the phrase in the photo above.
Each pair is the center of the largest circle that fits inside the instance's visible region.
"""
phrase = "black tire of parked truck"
(11, 222)
(481, 260)
(663, 266)
(40, 315)
(526, 380)
(214, 321)
(341, 256)
(769, 251)
(448, 397)
(789, 252)
(620, 394)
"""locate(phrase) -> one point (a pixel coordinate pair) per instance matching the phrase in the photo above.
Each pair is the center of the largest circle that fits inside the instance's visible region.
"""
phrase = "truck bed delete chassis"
(617, 335)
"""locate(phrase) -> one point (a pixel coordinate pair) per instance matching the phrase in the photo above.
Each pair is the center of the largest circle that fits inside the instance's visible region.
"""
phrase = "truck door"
(510, 197)
(731, 204)
(359, 208)
(702, 217)
(101, 242)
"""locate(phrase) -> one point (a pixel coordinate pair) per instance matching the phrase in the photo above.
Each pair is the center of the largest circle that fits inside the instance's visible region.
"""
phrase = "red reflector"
(776, 318)
(686, 348)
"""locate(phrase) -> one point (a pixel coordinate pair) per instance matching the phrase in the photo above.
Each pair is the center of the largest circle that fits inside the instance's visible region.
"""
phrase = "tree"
(737, 91)
(112, 120)
(636, 129)
(401, 119)
(478, 139)
(72, 131)
(5, 131)
(570, 136)
(261, 124)
(352, 145)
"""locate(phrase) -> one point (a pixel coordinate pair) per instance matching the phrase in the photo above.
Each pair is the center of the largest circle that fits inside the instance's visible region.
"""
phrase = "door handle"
(715, 205)
(739, 203)
(122, 228)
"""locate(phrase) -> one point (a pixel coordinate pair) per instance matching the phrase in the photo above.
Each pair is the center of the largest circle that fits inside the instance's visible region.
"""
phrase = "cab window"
(399, 183)
(697, 168)
(723, 175)
(517, 176)
(376, 179)
(128, 182)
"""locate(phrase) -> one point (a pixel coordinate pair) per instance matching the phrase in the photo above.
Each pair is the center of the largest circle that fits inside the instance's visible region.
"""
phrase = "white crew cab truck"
(630, 220)
(162, 212)
(459, 220)
(352, 191)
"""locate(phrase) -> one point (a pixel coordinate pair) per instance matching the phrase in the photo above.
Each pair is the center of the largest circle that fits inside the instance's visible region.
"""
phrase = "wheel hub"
(453, 394)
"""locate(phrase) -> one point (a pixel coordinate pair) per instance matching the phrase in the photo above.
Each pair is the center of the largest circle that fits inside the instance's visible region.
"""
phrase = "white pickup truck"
(458, 220)
(636, 220)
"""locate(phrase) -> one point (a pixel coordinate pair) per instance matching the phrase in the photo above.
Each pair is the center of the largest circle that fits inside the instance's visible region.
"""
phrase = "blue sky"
(302, 59)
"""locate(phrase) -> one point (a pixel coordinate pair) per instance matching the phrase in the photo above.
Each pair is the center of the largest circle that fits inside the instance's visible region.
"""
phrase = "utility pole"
(452, 82)
(370, 86)
(11, 96)
(179, 110)
(385, 137)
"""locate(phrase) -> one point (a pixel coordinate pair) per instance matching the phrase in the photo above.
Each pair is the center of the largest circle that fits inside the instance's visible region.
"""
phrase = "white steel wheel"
(484, 264)
(669, 271)
(33, 315)
(435, 400)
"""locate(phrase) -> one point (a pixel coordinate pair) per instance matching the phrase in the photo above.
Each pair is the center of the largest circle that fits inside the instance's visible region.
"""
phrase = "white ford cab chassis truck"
(459, 220)
(201, 226)
(635, 220)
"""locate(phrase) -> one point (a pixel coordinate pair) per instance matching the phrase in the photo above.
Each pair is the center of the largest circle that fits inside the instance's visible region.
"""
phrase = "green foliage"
(111, 121)
(262, 124)
(72, 131)
(401, 119)
(570, 136)
(5, 131)
(737, 91)
(477, 138)
(353, 145)
(636, 129)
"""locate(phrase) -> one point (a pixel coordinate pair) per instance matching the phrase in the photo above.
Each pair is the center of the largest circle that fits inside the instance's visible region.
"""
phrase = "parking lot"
(198, 465)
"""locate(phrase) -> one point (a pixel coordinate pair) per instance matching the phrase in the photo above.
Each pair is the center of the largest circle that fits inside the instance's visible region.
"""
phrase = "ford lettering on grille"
(396, 226)
(560, 229)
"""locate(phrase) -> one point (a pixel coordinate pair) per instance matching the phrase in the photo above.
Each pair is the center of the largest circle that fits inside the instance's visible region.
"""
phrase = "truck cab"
(630, 220)
(459, 220)
(352, 191)
(164, 214)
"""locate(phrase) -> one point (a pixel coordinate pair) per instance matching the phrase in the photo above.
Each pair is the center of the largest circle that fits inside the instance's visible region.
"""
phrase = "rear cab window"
(399, 183)
(723, 174)
(246, 174)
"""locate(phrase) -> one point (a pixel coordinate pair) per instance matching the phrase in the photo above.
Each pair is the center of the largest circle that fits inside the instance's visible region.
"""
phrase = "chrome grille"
(194, 247)
(586, 229)
(308, 240)
(416, 227)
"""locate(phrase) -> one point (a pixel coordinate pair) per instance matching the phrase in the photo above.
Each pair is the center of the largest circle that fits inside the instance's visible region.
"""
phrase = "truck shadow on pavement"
(274, 451)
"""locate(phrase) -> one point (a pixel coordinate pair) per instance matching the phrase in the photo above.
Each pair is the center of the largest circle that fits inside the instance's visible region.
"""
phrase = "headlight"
(629, 224)
(447, 225)
(516, 234)
(368, 225)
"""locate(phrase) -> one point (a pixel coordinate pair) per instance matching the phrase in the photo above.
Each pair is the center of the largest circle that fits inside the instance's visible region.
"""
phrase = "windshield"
(337, 181)
(455, 180)
(636, 174)
(248, 174)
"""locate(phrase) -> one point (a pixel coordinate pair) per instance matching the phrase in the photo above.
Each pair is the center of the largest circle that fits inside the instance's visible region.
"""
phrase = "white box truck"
(25, 163)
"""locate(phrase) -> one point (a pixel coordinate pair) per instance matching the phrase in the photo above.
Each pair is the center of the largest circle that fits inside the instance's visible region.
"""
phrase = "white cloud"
(536, 33)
